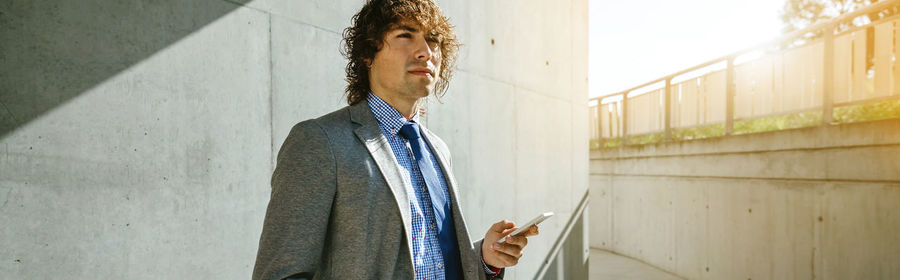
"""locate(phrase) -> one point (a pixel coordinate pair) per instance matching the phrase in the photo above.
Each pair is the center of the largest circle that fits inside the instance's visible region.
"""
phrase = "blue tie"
(439, 202)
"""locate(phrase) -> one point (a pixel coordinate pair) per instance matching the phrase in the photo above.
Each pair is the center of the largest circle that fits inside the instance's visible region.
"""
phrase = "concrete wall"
(811, 203)
(515, 115)
(137, 138)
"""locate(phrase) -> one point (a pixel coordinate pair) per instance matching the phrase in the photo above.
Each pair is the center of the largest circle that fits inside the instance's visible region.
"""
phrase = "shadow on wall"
(52, 51)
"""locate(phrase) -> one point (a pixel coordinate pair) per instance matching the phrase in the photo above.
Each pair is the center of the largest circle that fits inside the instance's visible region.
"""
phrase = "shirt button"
(432, 225)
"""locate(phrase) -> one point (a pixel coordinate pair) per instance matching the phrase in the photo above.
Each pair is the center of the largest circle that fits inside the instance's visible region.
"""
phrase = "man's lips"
(425, 72)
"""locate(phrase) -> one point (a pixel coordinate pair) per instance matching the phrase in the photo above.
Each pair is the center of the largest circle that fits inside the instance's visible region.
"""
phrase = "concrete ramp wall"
(811, 203)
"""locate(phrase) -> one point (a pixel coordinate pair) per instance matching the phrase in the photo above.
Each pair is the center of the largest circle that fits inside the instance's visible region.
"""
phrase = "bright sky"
(633, 42)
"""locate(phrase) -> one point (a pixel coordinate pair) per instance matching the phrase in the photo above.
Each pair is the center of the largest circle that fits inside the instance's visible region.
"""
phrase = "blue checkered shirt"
(426, 250)
(427, 258)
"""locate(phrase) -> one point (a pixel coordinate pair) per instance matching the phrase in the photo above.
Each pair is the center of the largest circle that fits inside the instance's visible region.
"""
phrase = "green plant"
(803, 119)
(867, 112)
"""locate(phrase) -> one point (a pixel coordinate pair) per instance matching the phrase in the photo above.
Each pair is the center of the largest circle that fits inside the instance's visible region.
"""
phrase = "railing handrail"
(787, 37)
(557, 245)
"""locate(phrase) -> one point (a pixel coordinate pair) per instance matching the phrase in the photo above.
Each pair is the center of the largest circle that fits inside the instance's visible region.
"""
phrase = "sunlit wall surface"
(138, 138)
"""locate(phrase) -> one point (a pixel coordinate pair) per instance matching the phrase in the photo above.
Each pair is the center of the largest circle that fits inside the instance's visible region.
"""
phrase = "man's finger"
(506, 248)
(532, 231)
(507, 260)
(506, 232)
(501, 225)
(499, 230)
(521, 241)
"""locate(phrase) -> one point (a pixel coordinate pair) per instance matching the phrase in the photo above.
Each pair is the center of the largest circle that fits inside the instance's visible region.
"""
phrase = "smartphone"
(537, 220)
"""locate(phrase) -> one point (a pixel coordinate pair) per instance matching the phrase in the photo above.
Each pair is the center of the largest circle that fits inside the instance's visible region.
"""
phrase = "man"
(367, 192)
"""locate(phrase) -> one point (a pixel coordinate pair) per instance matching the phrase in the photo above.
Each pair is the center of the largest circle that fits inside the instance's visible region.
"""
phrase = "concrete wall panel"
(494, 152)
(580, 113)
(789, 164)
(691, 234)
(543, 163)
(141, 166)
(847, 135)
(792, 224)
(859, 240)
(758, 214)
(737, 233)
(307, 75)
(491, 49)
(330, 15)
(643, 218)
(880, 163)
(600, 212)
(543, 55)
(54, 51)
(579, 145)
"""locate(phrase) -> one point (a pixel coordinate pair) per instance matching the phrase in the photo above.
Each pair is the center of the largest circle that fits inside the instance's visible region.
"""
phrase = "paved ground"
(608, 265)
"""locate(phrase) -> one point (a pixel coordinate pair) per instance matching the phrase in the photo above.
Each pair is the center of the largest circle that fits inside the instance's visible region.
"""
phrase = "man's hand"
(507, 254)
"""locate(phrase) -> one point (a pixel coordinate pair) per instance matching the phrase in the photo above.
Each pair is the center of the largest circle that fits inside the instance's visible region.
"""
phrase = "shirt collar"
(388, 117)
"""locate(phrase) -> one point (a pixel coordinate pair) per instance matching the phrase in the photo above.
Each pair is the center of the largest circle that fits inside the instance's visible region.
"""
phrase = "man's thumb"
(501, 225)
(500, 229)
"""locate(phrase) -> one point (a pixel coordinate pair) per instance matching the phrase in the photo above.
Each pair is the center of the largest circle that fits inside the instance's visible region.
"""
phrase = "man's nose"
(423, 50)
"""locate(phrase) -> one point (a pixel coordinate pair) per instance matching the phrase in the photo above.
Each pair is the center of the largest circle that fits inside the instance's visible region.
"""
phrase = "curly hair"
(364, 39)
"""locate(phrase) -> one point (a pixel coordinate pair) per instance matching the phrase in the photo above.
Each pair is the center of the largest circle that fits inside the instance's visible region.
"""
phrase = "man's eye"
(405, 35)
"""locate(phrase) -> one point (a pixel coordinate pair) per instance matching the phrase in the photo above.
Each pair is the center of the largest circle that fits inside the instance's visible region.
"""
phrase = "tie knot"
(410, 131)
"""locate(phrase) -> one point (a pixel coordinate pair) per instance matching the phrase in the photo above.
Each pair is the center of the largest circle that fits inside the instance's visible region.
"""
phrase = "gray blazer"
(339, 207)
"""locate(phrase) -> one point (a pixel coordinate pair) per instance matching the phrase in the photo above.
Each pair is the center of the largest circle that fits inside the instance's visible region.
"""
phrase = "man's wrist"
(489, 270)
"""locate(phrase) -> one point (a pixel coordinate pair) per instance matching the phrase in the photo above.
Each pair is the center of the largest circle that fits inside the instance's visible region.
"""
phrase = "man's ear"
(368, 62)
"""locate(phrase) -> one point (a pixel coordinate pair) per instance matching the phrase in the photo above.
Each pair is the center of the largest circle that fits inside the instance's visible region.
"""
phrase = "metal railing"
(847, 65)
(568, 258)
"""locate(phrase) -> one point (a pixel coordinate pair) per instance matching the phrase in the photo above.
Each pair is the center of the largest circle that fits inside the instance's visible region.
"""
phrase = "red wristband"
(494, 270)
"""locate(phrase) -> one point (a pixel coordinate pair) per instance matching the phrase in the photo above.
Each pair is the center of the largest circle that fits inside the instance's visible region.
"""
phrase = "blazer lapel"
(377, 145)
(443, 161)
(466, 249)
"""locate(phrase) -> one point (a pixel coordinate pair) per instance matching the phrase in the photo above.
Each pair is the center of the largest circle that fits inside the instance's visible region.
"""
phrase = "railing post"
(625, 118)
(729, 96)
(828, 77)
(668, 109)
(598, 110)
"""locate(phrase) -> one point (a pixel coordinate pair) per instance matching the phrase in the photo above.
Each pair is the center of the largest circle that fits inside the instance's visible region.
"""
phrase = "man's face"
(408, 63)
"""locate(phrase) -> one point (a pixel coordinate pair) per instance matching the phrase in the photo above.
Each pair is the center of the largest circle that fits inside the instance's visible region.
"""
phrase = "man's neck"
(407, 107)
